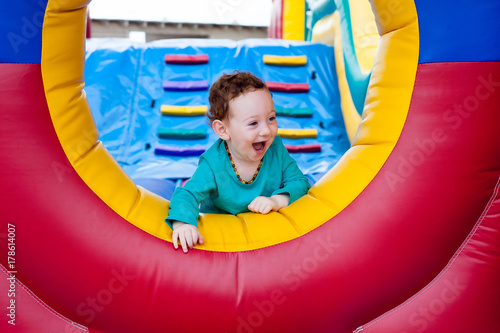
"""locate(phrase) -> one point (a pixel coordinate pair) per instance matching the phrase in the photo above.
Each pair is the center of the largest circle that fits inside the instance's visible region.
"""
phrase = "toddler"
(247, 169)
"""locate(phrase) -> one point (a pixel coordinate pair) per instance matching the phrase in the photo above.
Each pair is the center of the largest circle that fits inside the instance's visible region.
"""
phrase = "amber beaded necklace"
(236, 171)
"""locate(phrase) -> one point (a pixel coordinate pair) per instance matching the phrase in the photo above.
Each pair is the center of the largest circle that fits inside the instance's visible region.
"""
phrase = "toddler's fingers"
(254, 205)
(250, 206)
(189, 239)
(194, 234)
(255, 210)
(262, 209)
(200, 238)
(183, 243)
(266, 209)
(175, 236)
(256, 201)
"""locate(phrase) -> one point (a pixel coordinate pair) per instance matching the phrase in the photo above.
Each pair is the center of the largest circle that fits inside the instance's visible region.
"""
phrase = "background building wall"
(161, 30)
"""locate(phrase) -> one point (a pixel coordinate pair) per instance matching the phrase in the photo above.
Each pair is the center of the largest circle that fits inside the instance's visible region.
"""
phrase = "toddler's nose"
(265, 130)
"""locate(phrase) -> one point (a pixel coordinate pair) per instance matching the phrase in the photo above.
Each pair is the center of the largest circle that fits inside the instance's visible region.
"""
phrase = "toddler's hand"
(263, 205)
(187, 234)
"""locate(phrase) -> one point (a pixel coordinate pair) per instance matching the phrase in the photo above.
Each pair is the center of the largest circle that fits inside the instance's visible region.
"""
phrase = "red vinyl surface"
(467, 288)
(28, 313)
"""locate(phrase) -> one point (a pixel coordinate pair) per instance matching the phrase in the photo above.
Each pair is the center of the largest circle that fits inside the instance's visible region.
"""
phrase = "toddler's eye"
(272, 118)
(253, 123)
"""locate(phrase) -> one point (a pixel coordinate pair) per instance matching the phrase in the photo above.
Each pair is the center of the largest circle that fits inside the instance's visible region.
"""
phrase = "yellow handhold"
(173, 110)
(297, 133)
(285, 60)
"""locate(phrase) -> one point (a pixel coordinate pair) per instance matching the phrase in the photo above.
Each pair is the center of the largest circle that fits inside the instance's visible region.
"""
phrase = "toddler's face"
(252, 125)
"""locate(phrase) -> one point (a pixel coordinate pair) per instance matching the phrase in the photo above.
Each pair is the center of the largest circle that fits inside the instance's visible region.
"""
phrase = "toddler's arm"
(187, 234)
(264, 205)
(293, 181)
(184, 206)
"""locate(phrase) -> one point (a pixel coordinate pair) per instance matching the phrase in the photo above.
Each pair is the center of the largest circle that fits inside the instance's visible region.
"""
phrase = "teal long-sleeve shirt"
(215, 186)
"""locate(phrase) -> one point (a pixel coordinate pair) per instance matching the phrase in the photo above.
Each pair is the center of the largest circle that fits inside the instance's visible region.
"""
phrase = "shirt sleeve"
(293, 180)
(185, 202)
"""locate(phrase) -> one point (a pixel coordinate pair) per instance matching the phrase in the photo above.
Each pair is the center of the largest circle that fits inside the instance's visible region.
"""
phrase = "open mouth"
(259, 146)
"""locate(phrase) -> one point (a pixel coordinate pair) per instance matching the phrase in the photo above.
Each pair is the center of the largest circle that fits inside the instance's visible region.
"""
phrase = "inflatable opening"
(77, 132)
(157, 132)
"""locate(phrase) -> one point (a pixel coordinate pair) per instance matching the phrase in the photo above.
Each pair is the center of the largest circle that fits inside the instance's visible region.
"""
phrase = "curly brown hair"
(228, 87)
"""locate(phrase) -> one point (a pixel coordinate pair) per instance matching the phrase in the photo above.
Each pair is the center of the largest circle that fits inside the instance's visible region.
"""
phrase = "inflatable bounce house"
(401, 233)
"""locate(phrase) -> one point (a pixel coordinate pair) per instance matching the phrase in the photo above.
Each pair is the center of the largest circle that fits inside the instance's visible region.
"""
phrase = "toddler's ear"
(220, 129)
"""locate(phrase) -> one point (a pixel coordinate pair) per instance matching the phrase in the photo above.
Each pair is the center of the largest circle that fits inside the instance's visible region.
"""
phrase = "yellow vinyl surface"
(364, 33)
(293, 19)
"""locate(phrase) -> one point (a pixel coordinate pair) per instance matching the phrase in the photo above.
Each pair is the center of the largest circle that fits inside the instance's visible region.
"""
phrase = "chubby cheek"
(245, 143)
(251, 137)
(275, 130)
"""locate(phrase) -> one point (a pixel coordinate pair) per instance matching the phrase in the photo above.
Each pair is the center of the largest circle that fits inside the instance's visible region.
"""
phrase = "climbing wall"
(149, 100)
